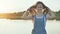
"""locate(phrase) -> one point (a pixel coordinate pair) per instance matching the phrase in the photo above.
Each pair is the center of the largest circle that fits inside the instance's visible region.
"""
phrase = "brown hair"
(31, 9)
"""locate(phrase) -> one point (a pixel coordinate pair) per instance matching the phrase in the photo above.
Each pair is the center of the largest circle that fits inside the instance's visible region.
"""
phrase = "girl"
(43, 13)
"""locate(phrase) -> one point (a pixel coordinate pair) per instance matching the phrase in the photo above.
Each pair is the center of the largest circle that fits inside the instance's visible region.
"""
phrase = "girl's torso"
(39, 22)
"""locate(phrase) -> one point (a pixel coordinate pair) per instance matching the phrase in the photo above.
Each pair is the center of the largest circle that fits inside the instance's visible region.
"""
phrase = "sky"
(9, 6)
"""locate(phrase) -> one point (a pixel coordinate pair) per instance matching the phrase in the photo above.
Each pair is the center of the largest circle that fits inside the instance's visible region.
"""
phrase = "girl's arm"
(26, 16)
(51, 15)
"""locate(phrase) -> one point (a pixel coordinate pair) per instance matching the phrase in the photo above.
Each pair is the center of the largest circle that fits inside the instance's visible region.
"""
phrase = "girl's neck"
(39, 14)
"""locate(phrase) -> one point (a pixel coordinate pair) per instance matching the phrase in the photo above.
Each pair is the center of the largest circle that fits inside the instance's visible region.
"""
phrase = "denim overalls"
(39, 24)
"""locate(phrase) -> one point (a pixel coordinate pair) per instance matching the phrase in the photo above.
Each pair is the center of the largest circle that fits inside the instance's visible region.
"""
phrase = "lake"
(26, 26)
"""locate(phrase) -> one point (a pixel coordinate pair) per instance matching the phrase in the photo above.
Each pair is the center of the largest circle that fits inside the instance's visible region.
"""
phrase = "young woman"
(43, 13)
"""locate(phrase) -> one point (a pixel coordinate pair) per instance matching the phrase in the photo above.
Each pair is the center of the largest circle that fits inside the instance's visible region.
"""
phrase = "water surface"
(26, 26)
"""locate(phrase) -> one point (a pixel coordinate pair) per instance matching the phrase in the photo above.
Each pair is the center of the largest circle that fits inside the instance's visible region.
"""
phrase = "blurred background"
(14, 9)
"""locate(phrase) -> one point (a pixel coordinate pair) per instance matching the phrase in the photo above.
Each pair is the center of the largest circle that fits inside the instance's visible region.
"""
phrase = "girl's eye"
(39, 7)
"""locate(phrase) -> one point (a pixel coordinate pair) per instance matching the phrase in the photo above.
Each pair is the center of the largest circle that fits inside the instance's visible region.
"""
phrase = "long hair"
(32, 9)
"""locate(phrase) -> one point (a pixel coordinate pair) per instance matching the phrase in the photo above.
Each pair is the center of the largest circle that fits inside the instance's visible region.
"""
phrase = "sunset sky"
(22, 5)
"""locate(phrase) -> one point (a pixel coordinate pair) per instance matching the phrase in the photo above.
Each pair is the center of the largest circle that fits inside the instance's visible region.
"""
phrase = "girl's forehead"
(40, 4)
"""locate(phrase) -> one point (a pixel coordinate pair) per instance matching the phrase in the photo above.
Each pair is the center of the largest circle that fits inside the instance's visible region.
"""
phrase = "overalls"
(39, 24)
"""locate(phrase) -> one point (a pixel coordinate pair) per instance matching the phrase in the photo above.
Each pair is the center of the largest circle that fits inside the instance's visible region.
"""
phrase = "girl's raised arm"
(51, 15)
(26, 16)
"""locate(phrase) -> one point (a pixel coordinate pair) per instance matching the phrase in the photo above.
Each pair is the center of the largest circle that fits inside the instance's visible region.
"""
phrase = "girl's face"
(39, 8)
